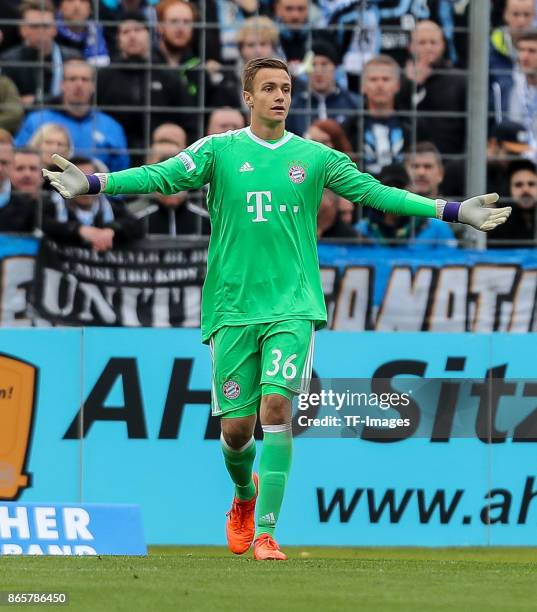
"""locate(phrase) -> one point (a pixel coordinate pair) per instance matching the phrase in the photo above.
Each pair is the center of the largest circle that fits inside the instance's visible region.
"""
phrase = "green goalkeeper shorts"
(254, 360)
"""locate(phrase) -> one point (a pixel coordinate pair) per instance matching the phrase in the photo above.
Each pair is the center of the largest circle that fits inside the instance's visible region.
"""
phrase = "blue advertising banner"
(122, 417)
(66, 529)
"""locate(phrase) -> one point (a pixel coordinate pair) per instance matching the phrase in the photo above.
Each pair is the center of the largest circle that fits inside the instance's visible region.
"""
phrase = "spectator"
(174, 214)
(381, 136)
(329, 220)
(423, 173)
(170, 133)
(76, 30)
(11, 110)
(36, 66)
(92, 132)
(325, 99)
(507, 141)
(135, 88)
(425, 90)
(6, 162)
(518, 16)
(522, 225)
(224, 119)
(257, 37)
(51, 138)
(21, 211)
(231, 14)
(111, 12)
(329, 133)
(293, 20)
(90, 220)
(522, 105)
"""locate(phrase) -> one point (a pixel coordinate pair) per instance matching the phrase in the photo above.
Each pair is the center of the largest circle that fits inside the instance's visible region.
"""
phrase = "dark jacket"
(32, 80)
(19, 214)
(441, 93)
(61, 223)
(187, 219)
(134, 86)
(521, 225)
(340, 104)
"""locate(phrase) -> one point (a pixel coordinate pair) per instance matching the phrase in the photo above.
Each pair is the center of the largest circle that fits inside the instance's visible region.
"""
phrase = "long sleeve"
(343, 177)
(191, 169)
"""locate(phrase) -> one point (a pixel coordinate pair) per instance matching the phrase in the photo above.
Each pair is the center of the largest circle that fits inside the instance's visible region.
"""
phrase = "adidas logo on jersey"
(246, 167)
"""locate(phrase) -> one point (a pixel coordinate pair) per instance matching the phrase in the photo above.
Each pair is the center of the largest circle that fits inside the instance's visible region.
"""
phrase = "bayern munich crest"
(297, 174)
(231, 389)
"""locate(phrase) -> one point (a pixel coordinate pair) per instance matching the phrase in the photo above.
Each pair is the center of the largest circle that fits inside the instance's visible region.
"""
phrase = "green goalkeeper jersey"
(263, 200)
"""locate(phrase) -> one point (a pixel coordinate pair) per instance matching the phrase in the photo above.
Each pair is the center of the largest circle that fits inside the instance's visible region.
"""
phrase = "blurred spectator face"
(426, 174)
(6, 161)
(323, 76)
(54, 141)
(84, 202)
(75, 10)
(427, 43)
(38, 29)
(346, 210)
(78, 85)
(524, 188)
(315, 133)
(527, 56)
(26, 173)
(177, 28)
(170, 133)
(133, 39)
(224, 119)
(380, 85)
(255, 45)
(519, 14)
(292, 12)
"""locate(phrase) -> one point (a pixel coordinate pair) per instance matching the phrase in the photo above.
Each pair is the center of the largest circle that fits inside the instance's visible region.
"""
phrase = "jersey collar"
(269, 145)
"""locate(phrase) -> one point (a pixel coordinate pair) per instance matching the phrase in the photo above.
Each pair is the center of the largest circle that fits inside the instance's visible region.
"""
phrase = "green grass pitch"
(210, 578)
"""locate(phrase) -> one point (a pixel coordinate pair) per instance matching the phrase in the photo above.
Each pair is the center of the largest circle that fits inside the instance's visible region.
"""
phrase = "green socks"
(274, 470)
(239, 464)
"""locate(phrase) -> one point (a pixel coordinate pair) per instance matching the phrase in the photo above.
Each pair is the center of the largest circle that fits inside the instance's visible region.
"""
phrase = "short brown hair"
(424, 147)
(253, 66)
(382, 60)
(526, 36)
(36, 5)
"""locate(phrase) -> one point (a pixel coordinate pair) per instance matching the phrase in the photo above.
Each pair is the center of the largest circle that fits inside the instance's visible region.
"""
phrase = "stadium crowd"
(116, 83)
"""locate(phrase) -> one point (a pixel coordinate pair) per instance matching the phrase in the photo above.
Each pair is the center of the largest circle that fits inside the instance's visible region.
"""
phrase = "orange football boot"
(266, 547)
(240, 525)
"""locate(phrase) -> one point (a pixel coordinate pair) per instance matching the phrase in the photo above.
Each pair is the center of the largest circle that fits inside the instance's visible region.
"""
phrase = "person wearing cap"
(324, 99)
(134, 85)
(507, 141)
(522, 175)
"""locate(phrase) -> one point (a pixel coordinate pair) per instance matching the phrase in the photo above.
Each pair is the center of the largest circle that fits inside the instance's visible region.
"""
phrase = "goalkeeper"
(262, 297)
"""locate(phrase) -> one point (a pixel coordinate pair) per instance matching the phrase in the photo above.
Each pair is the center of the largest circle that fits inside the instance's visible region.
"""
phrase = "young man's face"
(38, 29)
(133, 39)
(78, 85)
(271, 96)
(519, 14)
(527, 56)
(380, 85)
(425, 173)
(292, 12)
(178, 26)
(524, 188)
(323, 76)
(26, 173)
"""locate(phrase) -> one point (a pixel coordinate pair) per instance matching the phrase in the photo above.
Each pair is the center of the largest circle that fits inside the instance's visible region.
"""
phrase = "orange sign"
(17, 397)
